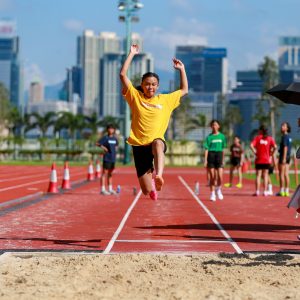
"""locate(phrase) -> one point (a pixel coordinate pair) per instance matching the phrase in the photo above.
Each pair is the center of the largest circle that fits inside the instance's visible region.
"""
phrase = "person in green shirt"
(214, 145)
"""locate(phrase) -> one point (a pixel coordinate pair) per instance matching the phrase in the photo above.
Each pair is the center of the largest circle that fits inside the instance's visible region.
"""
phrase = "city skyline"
(248, 29)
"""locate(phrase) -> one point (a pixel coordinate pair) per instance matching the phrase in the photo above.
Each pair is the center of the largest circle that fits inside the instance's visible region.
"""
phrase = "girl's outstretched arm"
(184, 87)
(134, 49)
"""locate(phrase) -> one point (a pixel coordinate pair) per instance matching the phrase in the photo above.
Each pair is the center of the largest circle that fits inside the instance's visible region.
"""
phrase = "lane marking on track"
(116, 234)
(170, 241)
(213, 218)
(28, 183)
(35, 175)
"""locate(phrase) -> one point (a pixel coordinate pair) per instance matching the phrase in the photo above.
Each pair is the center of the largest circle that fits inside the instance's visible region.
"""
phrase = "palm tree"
(181, 118)
(268, 71)
(4, 106)
(110, 120)
(72, 123)
(42, 123)
(199, 121)
(93, 122)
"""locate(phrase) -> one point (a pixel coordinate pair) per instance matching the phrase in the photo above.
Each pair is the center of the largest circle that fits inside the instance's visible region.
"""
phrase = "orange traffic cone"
(66, 180)
(53, 180)
(98, 169)
(90, 175)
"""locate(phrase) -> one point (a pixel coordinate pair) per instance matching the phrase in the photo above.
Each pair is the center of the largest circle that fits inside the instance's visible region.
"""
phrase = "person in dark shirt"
(109, 144)
(284, 159)
(236, 161)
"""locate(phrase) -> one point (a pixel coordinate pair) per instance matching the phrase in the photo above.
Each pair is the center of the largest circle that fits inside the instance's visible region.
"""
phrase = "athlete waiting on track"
(150, 118)
(236, 161)
(214, 146)
(263, 147)
(284, 159)
(109, 144)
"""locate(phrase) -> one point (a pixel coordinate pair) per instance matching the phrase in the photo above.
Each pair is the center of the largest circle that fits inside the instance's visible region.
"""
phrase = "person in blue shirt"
(284, 159)
(109, 144)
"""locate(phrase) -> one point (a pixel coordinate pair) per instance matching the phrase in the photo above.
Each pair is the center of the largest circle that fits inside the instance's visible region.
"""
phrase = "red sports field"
(178, 222)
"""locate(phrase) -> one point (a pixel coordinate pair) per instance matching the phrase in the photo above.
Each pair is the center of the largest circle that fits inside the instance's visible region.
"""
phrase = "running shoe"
(287, 194)
(153, 195)
(220, 195)
(239, 185)
(256, 194)
(266, 193)
(159, 182)
(227, 185)
(212, 197)
(113, 192)
(280, 194)
(105, 192)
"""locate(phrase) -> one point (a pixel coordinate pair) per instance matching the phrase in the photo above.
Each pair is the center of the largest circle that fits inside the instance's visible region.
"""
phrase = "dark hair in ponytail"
(264, 130)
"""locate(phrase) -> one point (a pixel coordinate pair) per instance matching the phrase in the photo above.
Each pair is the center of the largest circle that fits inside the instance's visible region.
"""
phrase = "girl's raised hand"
(134, 49)
(177, 64)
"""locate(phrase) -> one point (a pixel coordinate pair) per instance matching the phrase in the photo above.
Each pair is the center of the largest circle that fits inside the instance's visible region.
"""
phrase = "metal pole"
(128, 8)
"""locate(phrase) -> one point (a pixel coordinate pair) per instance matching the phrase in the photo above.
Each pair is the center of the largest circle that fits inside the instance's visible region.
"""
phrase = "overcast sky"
(249, 29)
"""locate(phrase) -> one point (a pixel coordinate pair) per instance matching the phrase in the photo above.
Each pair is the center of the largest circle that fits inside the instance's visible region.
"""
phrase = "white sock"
(102, 188)
(287, 190)
(257, 192)
(110, 187)
(270, 187)
(281, 190)
(218, 188)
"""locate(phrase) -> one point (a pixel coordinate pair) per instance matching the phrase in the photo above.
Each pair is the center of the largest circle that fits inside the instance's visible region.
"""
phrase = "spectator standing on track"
(150, 118)
(236, 161)
(263, 146)
(214, 146)
(284, 159)
(109, 144)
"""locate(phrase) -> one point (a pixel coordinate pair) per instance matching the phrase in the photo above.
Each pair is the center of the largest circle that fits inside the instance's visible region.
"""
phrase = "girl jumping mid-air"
(150, 118)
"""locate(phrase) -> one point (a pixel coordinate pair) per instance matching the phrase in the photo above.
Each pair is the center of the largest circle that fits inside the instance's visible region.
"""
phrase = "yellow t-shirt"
(150, 117)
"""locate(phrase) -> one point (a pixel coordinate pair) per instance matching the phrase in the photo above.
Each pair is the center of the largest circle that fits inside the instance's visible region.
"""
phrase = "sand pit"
(139, 276)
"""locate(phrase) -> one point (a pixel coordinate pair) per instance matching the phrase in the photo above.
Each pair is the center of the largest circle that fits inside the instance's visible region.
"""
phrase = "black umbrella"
(288, 93)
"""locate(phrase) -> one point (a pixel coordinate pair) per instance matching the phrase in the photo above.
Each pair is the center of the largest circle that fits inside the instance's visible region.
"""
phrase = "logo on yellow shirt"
(159, 106)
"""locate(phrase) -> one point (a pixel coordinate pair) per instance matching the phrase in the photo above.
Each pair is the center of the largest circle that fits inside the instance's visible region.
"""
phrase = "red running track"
(179, 222)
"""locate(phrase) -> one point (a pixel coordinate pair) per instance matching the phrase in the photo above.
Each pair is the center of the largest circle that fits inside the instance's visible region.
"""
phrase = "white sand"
(138, 276)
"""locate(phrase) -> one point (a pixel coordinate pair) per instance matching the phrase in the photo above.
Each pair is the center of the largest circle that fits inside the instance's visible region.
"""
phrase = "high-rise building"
(36, 92)
(289, 59)
(10, 66)
(90, 50)
(206, 68)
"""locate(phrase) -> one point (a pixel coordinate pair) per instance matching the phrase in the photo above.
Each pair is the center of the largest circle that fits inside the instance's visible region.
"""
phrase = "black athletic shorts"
(143, 158)
(235, 161)
(262, 166)
(288, 159)
(108, 165)
(215, 159)
(271, 169)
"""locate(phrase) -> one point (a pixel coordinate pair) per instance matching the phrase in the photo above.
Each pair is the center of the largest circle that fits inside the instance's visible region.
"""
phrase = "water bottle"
(134, 191)
(197, 188)
(118, 189)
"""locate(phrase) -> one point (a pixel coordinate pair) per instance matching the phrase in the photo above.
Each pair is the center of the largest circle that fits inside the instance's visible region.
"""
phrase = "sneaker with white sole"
(212, 197)
(220, 195)
(266, 193)
(105, 192)
(113, 192)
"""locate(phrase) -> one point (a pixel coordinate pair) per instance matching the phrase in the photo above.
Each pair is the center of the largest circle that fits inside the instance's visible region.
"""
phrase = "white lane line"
(116, 234)
(224, 232)
(170, 241)
(35, 175)
(28, 183)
